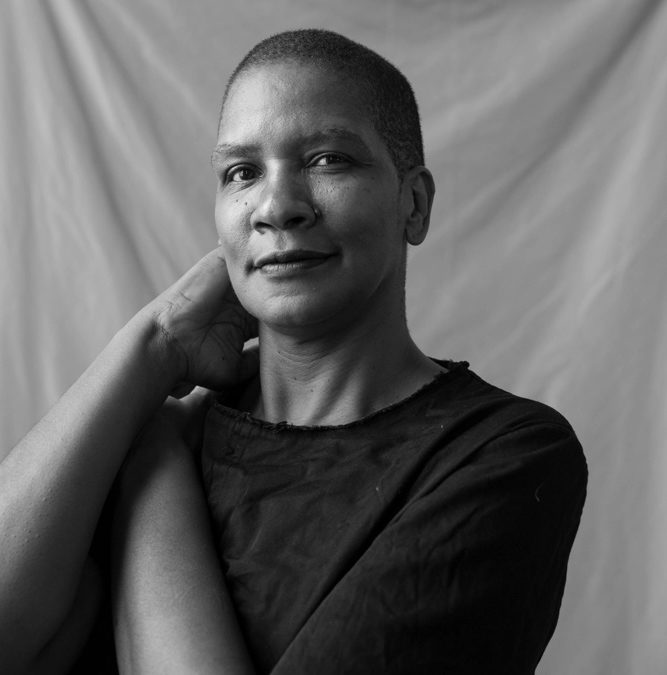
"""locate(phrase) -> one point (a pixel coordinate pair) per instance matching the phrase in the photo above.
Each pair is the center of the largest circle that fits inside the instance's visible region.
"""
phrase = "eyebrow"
(337, 133)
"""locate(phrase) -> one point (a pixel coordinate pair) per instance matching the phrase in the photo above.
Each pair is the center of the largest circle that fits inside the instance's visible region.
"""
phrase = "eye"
(240, 174)
(329, 159)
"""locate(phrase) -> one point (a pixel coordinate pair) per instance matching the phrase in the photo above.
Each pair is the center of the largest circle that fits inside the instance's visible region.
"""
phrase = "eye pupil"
(331, 158)
(241, 174)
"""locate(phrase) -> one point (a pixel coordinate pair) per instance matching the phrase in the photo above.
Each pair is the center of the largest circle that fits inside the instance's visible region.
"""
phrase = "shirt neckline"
(454, 368)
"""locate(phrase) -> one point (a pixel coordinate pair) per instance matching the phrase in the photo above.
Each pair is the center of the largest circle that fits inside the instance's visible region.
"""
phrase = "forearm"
(54, 483)
(172, 613)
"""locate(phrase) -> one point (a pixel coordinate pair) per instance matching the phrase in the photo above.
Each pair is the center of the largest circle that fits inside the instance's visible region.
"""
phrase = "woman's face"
(308, 206)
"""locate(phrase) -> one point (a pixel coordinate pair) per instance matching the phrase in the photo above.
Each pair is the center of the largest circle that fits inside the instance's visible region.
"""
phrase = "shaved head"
(384, 93)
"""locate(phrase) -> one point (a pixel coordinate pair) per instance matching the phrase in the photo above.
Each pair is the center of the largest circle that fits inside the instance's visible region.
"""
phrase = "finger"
(196, 405)
(181, 390)
(249, 363)
(250, 327)
(197, 397)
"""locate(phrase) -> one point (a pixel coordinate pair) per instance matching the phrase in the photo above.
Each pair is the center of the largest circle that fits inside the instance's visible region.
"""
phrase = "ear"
(417, 192)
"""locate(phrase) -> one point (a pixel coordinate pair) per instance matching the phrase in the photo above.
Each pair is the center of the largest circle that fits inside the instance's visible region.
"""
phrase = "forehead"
(303, 95)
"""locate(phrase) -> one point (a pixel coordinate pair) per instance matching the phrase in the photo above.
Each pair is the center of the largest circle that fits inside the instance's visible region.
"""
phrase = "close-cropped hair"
(387, 94)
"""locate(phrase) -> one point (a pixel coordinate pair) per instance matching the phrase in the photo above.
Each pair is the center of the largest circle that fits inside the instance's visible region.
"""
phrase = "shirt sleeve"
(467, 578)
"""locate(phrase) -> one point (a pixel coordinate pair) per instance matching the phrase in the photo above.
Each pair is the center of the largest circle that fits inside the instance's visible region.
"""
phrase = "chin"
(302, 313)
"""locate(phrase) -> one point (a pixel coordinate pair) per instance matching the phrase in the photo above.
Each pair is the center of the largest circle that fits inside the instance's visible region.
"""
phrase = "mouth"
(292, 260)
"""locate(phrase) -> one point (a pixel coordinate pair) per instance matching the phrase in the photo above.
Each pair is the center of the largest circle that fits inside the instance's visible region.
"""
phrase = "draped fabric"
(544, 267)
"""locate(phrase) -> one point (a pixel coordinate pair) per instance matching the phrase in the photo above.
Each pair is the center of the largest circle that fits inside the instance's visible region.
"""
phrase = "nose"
(284, 202)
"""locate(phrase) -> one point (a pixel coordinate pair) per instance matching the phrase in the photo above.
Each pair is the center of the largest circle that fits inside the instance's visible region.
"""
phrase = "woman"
(373, 509)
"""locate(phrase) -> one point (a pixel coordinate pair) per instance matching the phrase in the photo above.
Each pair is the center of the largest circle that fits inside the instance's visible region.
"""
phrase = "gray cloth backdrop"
(545, 266)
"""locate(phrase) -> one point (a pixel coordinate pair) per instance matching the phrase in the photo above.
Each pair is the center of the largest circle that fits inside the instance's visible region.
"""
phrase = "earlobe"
(418, 193)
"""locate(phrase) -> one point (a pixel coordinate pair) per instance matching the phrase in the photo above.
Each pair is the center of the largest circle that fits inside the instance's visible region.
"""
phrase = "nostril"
(297, 221)
(299, 215)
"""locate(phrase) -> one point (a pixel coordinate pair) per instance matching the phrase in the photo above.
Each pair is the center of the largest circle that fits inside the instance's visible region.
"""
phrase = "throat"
(333, 391)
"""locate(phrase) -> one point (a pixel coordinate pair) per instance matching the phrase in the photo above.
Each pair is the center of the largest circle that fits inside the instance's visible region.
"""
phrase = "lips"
(292, 258)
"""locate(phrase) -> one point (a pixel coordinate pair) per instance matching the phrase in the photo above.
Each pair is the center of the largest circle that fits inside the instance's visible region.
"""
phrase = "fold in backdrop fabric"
(545, 264)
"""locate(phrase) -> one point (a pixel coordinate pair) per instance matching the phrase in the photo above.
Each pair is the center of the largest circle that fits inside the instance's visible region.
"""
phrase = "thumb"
(207, 279)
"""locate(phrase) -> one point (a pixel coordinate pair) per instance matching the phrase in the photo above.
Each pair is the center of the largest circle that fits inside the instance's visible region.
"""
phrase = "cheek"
(232, 234)
(352, 208)
(219, 217)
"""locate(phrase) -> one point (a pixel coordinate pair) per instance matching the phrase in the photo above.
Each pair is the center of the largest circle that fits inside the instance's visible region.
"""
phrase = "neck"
(334, 378)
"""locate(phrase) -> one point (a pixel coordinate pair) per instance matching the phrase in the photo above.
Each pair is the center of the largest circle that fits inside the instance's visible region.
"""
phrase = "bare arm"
(53, 486)
(172, 613)
(54, 483)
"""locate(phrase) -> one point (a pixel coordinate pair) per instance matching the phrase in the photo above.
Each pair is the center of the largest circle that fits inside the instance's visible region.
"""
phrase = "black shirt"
(429, 537)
